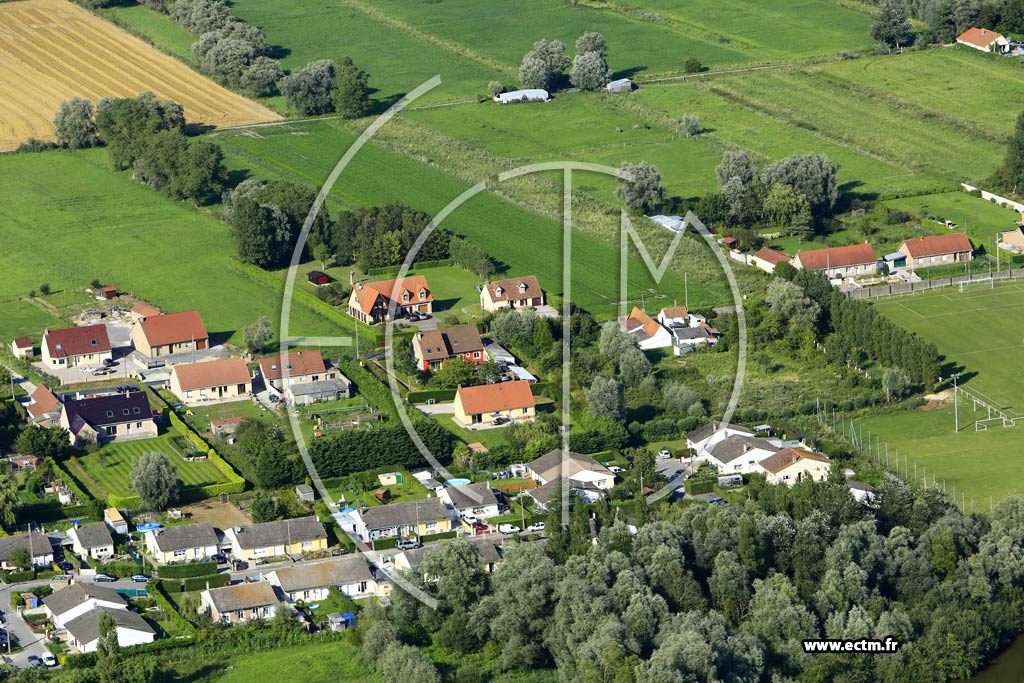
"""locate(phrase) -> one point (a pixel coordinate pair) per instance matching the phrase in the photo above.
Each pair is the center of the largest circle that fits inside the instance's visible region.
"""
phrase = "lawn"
(773, 138)
(979, 218)
(68, 219)
(520, 240)
(992, 354)
(106, 471)
(980, 464)
(335, 661)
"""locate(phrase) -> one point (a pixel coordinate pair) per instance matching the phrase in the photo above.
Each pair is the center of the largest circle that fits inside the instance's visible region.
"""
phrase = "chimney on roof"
(351, 277)
(746, 447)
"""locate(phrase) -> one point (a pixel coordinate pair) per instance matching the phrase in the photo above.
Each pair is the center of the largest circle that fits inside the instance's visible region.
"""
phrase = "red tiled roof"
(837, 257)
(173, 328)
(42, 401)
(936, 245)
(212, 373)
(978, 37)
(773, 256)
(786, 457)
(675, 312)
(75, 341)
(108, 288)
(367, 295)
(491, 398)
(145, 310)
(638, 318)
(23, 343)
(298, 362)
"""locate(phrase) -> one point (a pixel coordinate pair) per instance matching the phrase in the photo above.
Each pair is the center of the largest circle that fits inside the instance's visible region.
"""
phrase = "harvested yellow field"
(52, 50)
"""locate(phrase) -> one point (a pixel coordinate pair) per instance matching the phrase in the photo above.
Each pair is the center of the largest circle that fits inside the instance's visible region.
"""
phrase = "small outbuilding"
(304, 493)
(108, 292)
(22, 348)
(318, 278)
(620, 85)
(529, 95)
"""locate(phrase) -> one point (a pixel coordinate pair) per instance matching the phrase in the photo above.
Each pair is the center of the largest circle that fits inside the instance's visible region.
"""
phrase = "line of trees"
(946, 19)
(343, 452)
(324, 87)
(727, 593)
(266, 218)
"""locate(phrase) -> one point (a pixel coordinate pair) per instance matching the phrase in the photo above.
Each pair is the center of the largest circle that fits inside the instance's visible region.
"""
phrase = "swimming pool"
(458, 482)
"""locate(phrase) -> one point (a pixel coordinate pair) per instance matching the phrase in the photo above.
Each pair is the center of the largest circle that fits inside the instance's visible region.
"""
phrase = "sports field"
(981, 330)
(106, 471)
(52, 50)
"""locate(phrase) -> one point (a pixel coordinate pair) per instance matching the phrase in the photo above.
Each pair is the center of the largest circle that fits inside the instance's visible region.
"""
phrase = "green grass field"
(993, 349)
(158, 29)
(979, 218)
(520, 240)
(106, 471)
(337, 661)
(19, 318)
(67, 218)
(771, 29)
(774, 138)
(980, 464)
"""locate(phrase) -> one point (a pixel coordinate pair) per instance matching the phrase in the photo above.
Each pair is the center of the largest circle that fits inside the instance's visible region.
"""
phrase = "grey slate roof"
(86, 628)
(66, 599)
(95, 535)
(552, 464)
(243, 596)
(710, 428)
(185, 536)
(472, 495)
(282, 532)
(488, 551)
(732, 447)
(112, 409)
(40, 544)
(334, 572)
(860, 486)
(398, 514)
(323, 386)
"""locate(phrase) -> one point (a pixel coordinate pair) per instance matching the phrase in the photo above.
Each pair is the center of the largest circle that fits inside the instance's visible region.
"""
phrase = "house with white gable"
(740, 454)
(649, 333)
(703, 438)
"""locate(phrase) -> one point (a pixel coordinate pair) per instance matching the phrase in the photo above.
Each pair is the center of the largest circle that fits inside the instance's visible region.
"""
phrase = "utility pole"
(686, 292)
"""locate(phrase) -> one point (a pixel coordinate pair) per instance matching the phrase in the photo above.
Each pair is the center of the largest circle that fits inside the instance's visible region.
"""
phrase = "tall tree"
(589, 71)
(891, 25)
(604, 398)
(154, 480)
(310, 90)
(1011, 176)
(592, 41)
(351, 90)
(73, 124)
(642, 191)
(257, 335)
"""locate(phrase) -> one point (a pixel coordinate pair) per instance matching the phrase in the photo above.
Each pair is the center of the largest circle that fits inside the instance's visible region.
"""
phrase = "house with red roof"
(767, 258)
(984, 40)
(224, 379)
(792, 465)
(310, 378)
(370, 302)
(839, 263)
(509, 400)
(143, 310)
(647, 331)
(937, 250)
(43, 406)
(74, 346)
(170, 333)
(22, 348)
(433, 347)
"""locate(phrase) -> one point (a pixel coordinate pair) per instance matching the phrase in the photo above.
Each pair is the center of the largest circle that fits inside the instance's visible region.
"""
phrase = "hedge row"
(52, 511)
(127, 502)
(697, 487)
(166, 585)
(199, 583)
(187, 570)
(437, 537)
(17, 577)
(159, 593)
(72, 483)
(185, 431)
(393, 270)
(235, 482)
(121, 569)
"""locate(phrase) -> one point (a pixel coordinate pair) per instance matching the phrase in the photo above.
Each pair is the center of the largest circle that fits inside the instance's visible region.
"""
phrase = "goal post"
(980, 283)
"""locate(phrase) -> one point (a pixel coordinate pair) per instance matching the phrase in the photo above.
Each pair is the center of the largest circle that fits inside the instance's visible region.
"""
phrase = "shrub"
(187, 570)
(696, 487)
(692, 65)
(198, 583)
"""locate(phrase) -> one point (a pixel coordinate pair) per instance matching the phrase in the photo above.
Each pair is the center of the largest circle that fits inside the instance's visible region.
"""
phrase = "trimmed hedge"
(167, 585)
(187, 570)
(198, 583)
(385, 543)
(159, 593)
(17, 577)
(52, 511)
(129, 502)
(235, 482)
(430, 395)
(437, 537)
(123, 570)
(697, 487)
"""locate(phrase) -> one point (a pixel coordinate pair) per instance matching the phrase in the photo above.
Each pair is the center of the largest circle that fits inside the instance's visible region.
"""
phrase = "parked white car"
(537, 526)
(508, 529)
(665, 453)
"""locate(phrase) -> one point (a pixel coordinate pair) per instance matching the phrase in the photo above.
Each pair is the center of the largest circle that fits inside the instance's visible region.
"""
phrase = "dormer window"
(405, 297)
(500, 291)
(423, 293)
(522, 287)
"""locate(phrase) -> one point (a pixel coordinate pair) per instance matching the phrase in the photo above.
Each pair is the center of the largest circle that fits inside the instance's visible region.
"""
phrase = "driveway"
(446, 408)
